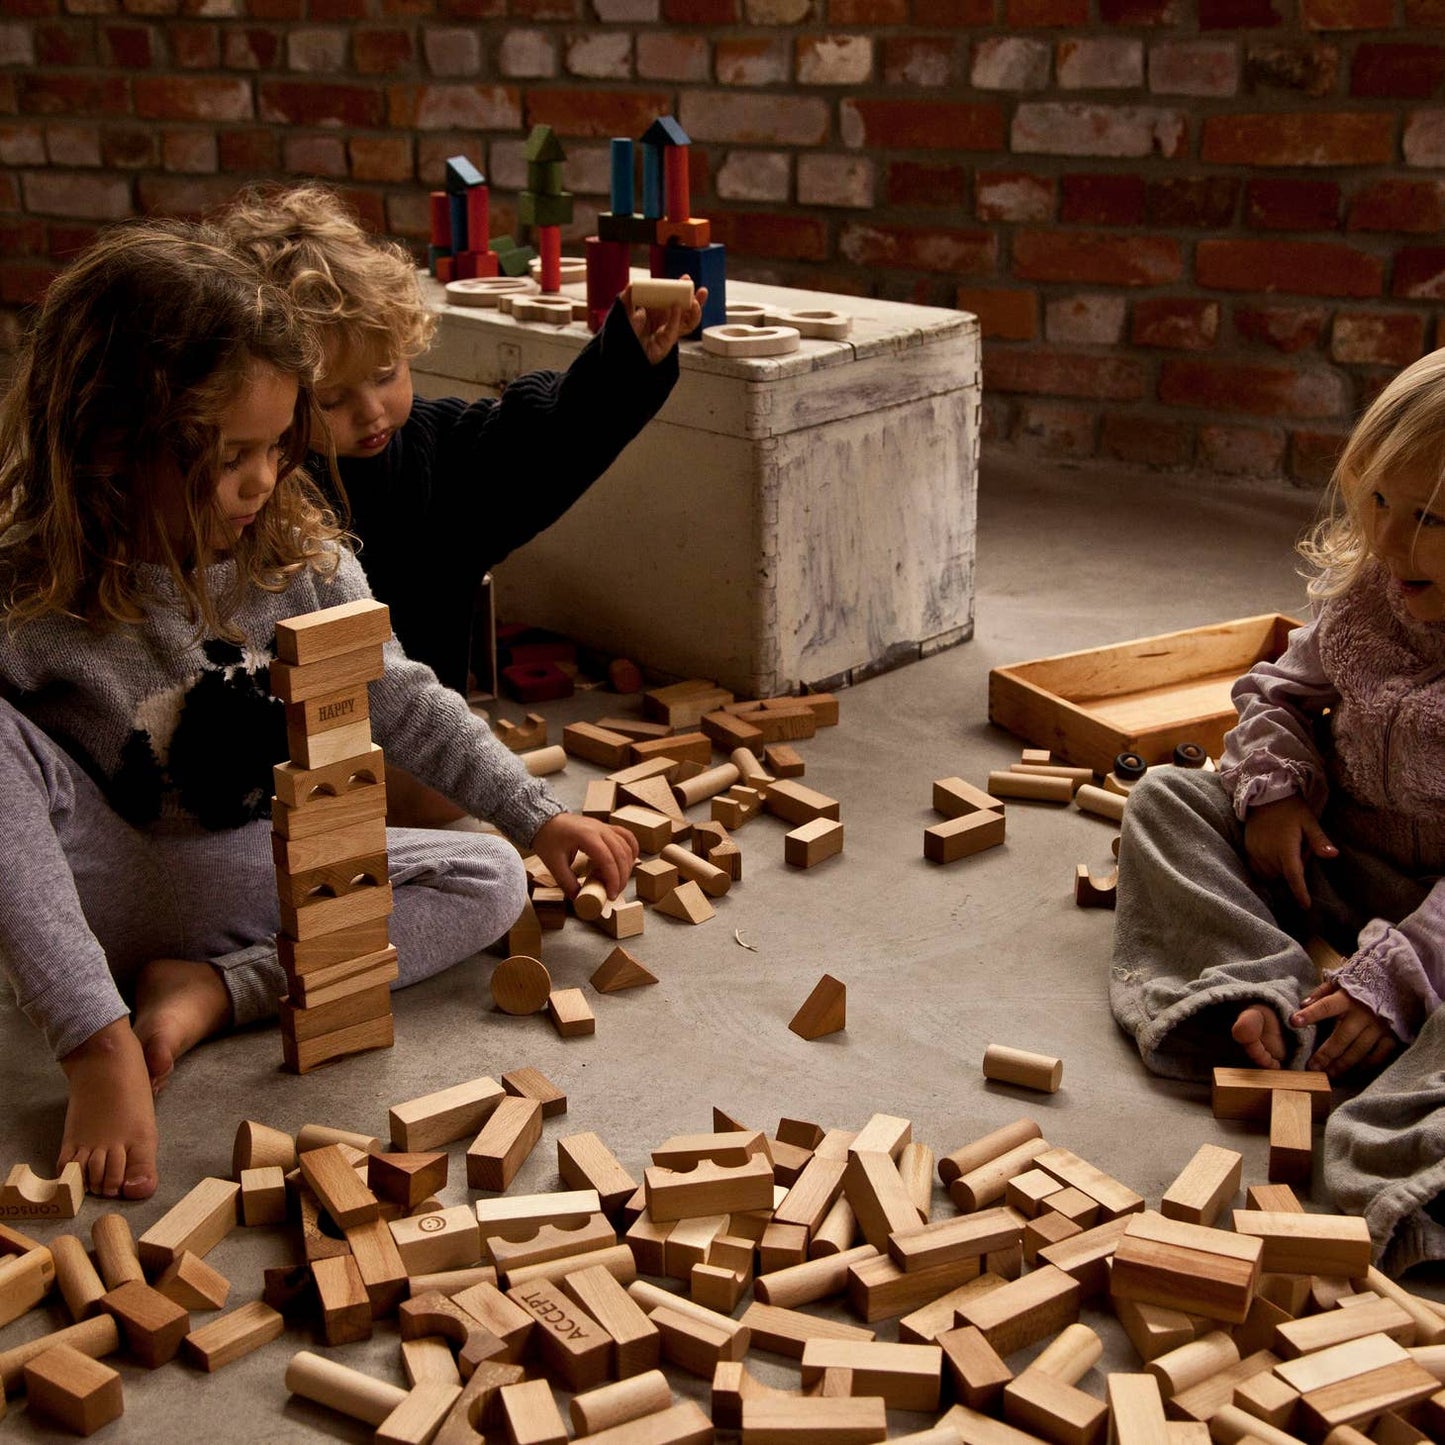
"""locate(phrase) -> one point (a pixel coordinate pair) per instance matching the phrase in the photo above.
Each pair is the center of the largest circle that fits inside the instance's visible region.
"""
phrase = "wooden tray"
(1144, 696)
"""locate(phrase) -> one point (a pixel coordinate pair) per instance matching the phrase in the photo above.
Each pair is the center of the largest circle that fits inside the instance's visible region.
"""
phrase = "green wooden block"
(517, 261)
(545, 177)
(543, 145)
(538, 210)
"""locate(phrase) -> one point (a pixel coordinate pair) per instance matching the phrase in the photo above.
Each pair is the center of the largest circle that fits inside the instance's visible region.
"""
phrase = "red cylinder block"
(549, 248)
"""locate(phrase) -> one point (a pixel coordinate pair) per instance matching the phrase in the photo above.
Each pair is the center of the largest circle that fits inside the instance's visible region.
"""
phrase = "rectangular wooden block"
(71, 1389)
(695, 1342)
(199, 1221)
(596, 745)
(1024, 1310)
(534, 1084)
(233, 1335)
(959, 1237)
(962, 837)
(786, 1331)
(812, 843)
(956, 798)
(879, 1198)
(549, 1242)
(709, 1188)
(585, 1162)
(908, 1377)
(796, 803)
(303, 1055)
(335, 1183)
(1186, 1267)
(1246, 1093)
(680, 748)
(345, 1304)
(572, 1346)
(780, 1420)
(1291, 1137)
(447, 1239)
(878, 1289)
(507, 1138)
(333, 631)
(637, 1344)
(977, 1370)
(570, 1013)
(354, 1001)
(295, 682)
(445, 1116)
(1205, 1186)
(1329, 1244)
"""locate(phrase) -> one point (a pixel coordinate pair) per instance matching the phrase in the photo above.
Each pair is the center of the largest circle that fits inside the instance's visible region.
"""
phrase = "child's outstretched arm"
(1360, 1036)
(660, 331)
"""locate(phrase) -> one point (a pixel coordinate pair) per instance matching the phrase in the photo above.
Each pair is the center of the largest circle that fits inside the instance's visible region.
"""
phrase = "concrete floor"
(938, 961)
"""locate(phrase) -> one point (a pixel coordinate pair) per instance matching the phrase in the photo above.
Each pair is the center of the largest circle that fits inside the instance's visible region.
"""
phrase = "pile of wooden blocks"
(329, 837)
(1266, 1324)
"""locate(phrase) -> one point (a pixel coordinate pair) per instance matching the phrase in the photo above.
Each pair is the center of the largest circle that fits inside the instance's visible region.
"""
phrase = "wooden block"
(956, 798)
(709, 1188)
(656, 794)
(521, 985)
(551, 1242)
(600, 799)
(653, 830)
(345, 1305)
(531, 1414)
(534, 1084)
(336, 1185)
(585, 1162)
(325, 813)
(416, 1420)
(198, 1222)
(637, 1344)
(962, 837)
(1032, 787)
(782, 1246)
(961, 1237)
(1267, 1398)
(1363, 1397)
(1205, 1399)
(622, 920)
(1095, 892)
(729, 732)
(618, 971)
(333, 631)
(380, 1265)
(1184, 1266)
(684, 703)
(406, 1179)
(716, 1287)
(570, 1013)
(985, 1150)
(572, 1346)
(1205, 1186)
(1337, 1326)
(824, 1011)
(1291, 1141)
(596, 745)
(304, 922)
(695, 1343)
(686, 902)
(907, 1377)
(1329, 1244)
(151, 1324)
(519, 1217)
(263, 1195)
(229, 1337)
(1192, 1363)
(1136, 1410)
(1154, 1330)
(340, 744)
(506, 1139)
(693, 747)
(654, 878)
(976, 1370)
(879, 1199)
(785, 1331)
(302, 789)
(434, 1314)
(80, 1286)
(1087, 1257)
(1027, 1070)
(1024, 1310)
(878, 1289)
(1055, 1410)
(797, 804)
(788, 721)
(70, 1389)
(1246, 1093)
(777, 1420)
(612, 1405)
(427, 1122)
(444, 1239)
(115, 1252)
(1068, 1168)
(498, 1315)
(1075, 1206)
(295, 682)
(1025, 1193)
(1277, 1198)
(522, 738)
(812, 843)
(782, 760)
(25, 1195)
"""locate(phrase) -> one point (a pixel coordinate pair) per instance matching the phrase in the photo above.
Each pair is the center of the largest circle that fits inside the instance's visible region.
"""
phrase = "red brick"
(1423, 140)
(316, 102)
(1289, 329)
(917, 183)
(1097, 258)
(64, 45)
(275, 9)
(751, 60)
(546, 10)
(336, 10)
(1420, 273)
(1412, 206)
(31, 9)
(1300, 268)
(381, 158)
(195, 47)
(1013, 196)
(1289, 205)
(170, 98)
(67, 241)
(380, 52)
(721, 115)
(1056, 430)
(1085, 319)
(871, 12)
(596, 112)
(1139, 12)
(1003, 314)
(958, 14)
(129, 148)
(964, 253)
(473, 10)
(252, 48)
(921, 125)
(22, 236)
(132, 47)
(1078, 128)
(1145, 441)
(1350, 139)
(1061, 373)
(1206, 202)
(764, 233)
(1347, 14)
(397, 9)
(1397, 72)
(23, 283)
(1310, 69)
(1095, 200)
(701, 12)
(1428, 14)
(1025, 14)
(85, 197)
(1242, 451)
(1178, 323)
(187, 196)
(314, 155)
(74, 95)
(1313, 454)
(248, 150)
(922, 61)
(1230, 386)
(1239, 14)
(666, 55)
(1375, 338)
(450, 107)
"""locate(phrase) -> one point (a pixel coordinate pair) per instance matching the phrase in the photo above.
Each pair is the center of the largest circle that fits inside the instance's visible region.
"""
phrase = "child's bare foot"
(110, 1124)
(177, 1004)
(1258, 1033)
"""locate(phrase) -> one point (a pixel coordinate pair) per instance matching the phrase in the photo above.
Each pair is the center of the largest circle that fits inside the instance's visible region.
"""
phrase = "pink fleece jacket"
(1354, 713)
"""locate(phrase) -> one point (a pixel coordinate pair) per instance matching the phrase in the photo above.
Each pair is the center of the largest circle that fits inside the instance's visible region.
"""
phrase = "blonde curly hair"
(357, 290)
(1403, 427)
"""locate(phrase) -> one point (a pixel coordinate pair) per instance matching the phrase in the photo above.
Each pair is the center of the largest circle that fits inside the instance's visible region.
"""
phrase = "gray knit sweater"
(180, 731)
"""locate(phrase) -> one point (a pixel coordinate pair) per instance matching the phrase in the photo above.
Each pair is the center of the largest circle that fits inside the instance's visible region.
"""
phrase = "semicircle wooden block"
(521, 985)
(620, 970)
(1092, 892)
(26, 1194)
(824, 1011)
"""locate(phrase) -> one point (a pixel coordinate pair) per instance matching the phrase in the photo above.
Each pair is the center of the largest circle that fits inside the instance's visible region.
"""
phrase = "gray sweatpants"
(1197, 937)
(86, 900)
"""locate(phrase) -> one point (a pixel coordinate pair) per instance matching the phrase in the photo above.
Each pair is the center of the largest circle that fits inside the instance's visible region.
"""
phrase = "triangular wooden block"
(824, 1011)
(407, 1179)
(619, 970)
(655, 793)
(687, 902)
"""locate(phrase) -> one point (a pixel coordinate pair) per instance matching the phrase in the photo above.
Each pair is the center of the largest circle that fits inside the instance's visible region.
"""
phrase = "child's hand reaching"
(1279, 836)
(612, 850)
(658, 331)
(1360, 1035)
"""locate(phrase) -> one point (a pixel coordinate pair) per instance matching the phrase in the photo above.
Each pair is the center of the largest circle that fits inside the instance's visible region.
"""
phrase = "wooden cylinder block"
(521, 985)
(837, 1231)
(1028, 785)
(713, 881)
(750, 768)
(80, 1286)
(1017, 1066)
(115, 1251)
(318, 1136)
(612, 1405)
(590, 900)
(341, 1388)
(707, 784)
(1185, 1367)
(542, 761)
(1101, 803)
(986, 1184)
(990, 1147)
(1070, 1355)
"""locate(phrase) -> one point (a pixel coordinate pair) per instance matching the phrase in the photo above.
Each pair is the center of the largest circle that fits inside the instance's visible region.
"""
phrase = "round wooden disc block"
(486, 290)
(521, 985)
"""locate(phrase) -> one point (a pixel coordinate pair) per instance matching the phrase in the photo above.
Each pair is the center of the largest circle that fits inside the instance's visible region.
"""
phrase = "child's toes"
(94, 1170)
(139, 1177)
(1251, 1032)
(114, 1177)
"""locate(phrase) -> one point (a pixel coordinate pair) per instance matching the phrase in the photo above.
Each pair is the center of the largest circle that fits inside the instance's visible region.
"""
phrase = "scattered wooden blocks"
(506, 1139)
(197, 1222)
(963, 836)
(824, 1011)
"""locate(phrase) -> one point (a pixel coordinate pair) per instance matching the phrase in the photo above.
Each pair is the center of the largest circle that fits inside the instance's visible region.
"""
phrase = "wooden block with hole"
(824, 1011)
(570, 1013)
(1205, 1186)
(585, 1162)
(812, 843)
(69, 1389)
(618, 971)
(506, 1139)
(1247, 1093)
(963, 836)
(550, 1241)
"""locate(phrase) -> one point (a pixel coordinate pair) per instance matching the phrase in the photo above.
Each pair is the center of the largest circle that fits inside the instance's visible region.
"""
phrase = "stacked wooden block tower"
(462, 248)
(329, 837)
(544, 205)
(679, 244)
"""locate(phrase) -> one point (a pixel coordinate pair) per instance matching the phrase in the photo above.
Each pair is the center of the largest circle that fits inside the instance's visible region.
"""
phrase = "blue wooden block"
(707, 265)
(457, 201)
(461, 173)
(621, 176)
(651, 181)
(665, 131)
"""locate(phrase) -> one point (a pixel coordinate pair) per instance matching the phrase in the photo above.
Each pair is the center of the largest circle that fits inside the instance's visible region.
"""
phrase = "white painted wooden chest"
(807, 518)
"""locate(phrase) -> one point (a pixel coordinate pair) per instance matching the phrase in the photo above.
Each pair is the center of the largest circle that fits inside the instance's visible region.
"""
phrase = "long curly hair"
(113, 425)
(1403, 427)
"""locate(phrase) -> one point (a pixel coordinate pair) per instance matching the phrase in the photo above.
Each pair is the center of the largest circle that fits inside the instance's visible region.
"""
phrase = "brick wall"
(1195, 234)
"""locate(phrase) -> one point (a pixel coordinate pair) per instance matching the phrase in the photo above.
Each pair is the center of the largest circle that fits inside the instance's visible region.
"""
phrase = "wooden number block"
(585, 1162)
(963, 836)
(572, 1346)
(333, 631)
(1205, 1186)
(1027, 1070)
(197, 1222)
(25, 1195)
(907, 1377)
(507, 1138)
(824, 1011)
(1291, 1142)
(1136, 1410)
(695, 1343)
(1328, 1244)
(335, 1183)
(345, 1305)
(534, 1084)
(777, 1420)
(620, 970)
(1184, 1266)
(232, 1335)
(570, 1014)
(445, 1239)
(709, 1188)
(74, 1391)
(797, 804)
(1246, 1093)
(263, 1195)
(637, 1344)
(1024, 1310)
(686, 902)
(812, 843)
(441, 1118)
(406, 1179)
